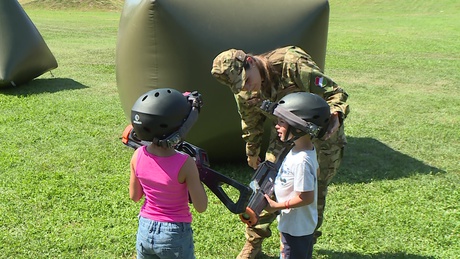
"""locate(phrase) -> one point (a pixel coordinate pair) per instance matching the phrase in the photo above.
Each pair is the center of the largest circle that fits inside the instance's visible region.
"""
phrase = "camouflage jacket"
(296, 71)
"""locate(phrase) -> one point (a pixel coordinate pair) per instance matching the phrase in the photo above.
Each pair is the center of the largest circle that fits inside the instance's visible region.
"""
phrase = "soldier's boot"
(250, 249)
(255, 236)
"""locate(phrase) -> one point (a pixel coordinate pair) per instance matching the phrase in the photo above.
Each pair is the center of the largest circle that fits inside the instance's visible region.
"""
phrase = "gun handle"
(214, 180)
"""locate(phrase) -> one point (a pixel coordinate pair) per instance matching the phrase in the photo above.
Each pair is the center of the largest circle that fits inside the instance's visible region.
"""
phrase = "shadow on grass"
(350, 255)
(367, 159)
(38, 86)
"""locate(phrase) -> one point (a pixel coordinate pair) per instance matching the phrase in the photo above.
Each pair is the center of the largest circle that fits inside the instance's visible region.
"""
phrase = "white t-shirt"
(297, 174)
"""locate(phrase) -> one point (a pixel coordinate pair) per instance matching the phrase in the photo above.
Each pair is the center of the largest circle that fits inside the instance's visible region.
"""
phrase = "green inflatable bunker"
(24, 54)
(172, 43)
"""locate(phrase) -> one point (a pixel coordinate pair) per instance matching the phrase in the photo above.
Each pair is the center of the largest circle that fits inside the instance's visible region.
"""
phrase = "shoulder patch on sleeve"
(321, 81)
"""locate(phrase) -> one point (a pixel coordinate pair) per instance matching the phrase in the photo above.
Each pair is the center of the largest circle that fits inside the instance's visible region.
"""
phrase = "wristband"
(286, 204)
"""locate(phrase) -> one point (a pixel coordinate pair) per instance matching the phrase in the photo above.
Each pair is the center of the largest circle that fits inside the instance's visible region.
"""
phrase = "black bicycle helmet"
(159, 113)
(306, 112)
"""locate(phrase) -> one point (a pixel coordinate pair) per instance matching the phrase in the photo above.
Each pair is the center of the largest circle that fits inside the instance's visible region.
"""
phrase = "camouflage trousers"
(329, 153)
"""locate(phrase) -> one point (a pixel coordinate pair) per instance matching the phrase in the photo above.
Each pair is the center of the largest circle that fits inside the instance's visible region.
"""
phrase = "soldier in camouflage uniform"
(272, 75)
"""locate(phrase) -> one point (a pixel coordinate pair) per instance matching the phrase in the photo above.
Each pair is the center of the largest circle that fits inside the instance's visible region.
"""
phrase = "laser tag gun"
(263, 180)
(212, 179)
(262, 183)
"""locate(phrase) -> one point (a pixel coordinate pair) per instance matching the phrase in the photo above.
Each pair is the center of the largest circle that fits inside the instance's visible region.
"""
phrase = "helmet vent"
(316, 117)
(159, 113)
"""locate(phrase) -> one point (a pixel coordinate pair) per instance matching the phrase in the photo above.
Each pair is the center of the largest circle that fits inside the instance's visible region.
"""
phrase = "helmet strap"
(295, 135)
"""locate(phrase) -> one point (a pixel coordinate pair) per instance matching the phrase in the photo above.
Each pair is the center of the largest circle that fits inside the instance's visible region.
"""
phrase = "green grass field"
(64, 172)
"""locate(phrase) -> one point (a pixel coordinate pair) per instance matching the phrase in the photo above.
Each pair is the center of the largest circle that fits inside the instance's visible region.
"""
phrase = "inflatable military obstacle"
(24, 54)
(172, 43)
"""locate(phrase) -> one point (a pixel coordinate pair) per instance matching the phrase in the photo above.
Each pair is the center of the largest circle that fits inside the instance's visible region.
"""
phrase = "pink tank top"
(166, 200)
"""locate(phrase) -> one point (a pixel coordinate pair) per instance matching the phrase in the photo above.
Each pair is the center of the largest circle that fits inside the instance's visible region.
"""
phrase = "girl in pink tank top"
(165, 177)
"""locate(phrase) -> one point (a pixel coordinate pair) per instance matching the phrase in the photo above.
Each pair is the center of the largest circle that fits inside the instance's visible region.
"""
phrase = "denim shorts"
(165, 240)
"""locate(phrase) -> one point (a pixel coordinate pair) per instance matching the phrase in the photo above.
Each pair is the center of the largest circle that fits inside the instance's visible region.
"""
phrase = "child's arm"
(135, 189)
(194, 185)
(303, 199)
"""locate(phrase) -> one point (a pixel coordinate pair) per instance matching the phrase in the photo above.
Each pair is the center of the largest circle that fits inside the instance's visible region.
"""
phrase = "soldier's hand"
(253, 161)
(333, 126)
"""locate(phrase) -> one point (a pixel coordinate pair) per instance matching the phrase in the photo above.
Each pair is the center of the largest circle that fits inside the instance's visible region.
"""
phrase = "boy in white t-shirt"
(301, 116)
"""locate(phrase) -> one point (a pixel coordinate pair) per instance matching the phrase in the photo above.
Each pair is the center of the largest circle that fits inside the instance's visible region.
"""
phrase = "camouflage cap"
(227, 68)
